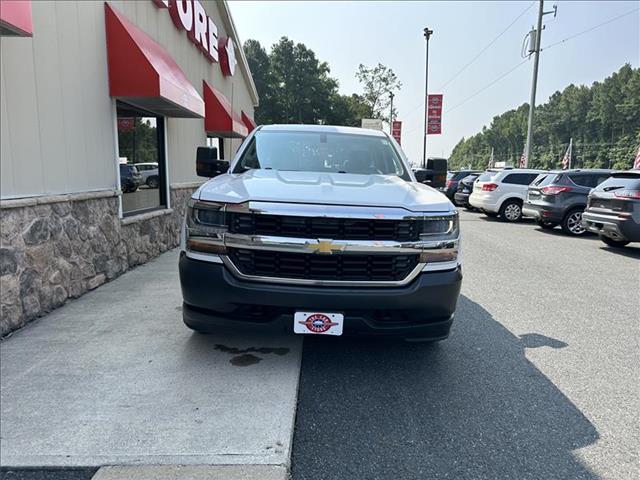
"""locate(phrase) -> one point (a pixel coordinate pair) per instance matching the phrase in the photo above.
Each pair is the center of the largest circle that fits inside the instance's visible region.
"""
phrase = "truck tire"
(511, 210)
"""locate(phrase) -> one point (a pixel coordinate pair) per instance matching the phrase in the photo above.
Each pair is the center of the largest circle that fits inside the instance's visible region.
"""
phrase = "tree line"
(603, 119)
(294, 86)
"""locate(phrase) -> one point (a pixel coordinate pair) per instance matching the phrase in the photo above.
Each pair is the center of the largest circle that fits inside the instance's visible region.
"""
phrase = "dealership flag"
(523, 160)
(636, 164)
(396, 130)
(434, 114)
(566, 160)
(491, 162)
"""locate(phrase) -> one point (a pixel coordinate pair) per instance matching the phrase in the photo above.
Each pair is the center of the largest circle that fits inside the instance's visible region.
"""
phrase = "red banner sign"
(126, 124)
(396, 130)
(434, 114)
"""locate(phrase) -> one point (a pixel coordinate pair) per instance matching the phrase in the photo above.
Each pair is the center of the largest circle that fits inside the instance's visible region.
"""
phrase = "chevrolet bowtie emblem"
(324, 246)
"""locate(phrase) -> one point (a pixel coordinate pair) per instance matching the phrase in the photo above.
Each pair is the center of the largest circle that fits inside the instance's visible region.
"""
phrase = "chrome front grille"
(302, 266)
(323, 227)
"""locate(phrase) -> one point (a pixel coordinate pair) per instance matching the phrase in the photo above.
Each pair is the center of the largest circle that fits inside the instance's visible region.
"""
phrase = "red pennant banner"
(434, 114)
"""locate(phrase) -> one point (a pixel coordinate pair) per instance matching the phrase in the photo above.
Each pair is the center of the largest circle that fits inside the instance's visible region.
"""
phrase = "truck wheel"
(152, 182)
(613, 242)
(546, 224)
(511, 211)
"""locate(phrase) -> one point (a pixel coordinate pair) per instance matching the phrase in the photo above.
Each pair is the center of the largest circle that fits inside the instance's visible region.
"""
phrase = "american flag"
(566, 160)
(636, 163)
(523, 160)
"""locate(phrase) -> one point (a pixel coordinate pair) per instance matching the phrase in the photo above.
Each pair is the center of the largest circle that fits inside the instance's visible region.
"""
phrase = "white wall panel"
(24, 136)
(50, 99)
(57, 125)
(6, 169)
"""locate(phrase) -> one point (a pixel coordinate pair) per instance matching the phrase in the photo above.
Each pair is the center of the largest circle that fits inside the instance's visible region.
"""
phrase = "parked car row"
(604, 202)
(132, 176)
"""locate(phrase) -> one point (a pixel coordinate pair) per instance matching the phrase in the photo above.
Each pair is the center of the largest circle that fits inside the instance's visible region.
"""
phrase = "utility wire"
(571, 37)
(487, 86)
(410, 112)
(487, 47)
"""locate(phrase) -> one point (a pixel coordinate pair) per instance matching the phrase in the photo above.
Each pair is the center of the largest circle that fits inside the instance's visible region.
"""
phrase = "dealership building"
(103, 105)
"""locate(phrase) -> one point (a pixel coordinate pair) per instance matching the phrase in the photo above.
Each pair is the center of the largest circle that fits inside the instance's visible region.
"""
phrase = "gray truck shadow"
(472, 407)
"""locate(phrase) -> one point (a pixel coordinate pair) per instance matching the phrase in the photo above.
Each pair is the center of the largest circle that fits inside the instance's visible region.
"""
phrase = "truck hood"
(324, 189)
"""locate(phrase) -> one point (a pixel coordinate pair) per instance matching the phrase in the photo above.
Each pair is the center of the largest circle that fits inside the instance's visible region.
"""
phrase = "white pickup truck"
(319, 230)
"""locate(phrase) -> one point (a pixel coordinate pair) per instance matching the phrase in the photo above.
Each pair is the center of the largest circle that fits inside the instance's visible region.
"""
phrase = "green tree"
(378, 82)
(603, 120)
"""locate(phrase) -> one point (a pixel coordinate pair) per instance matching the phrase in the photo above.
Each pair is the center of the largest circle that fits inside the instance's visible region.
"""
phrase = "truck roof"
(323, 128)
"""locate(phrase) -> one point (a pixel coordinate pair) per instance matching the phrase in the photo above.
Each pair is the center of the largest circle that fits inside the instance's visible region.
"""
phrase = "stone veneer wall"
(56, 248)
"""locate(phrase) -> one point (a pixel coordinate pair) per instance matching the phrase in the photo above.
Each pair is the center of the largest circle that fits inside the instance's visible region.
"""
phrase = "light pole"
(391, 95)
(427, 35)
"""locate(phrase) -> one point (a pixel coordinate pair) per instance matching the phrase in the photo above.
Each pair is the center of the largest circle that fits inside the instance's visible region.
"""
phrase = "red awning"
(143, 74)
(248, 121)
(219, 118)
(15, 18)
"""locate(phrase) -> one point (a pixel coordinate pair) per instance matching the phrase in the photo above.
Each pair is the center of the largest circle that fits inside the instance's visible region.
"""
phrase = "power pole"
(427, 35)
(534, 80)
(391, 95)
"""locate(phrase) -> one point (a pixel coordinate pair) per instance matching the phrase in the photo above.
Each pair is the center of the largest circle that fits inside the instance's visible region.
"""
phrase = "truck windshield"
(321, 152)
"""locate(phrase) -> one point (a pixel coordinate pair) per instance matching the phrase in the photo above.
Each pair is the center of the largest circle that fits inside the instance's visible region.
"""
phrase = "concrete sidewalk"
(115, 378)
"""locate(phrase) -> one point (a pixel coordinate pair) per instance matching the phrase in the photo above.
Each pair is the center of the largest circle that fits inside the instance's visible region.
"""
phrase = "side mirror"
(421, 176)
(207, 162)
(438, 169)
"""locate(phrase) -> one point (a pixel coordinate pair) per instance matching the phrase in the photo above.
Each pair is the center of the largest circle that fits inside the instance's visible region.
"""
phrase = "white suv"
(502, 192)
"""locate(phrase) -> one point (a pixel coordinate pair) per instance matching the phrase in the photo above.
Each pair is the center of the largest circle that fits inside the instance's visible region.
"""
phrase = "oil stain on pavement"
(244, 357)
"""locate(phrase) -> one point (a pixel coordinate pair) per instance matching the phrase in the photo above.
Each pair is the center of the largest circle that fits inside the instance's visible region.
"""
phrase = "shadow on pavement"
(628, 251)
(470, 407)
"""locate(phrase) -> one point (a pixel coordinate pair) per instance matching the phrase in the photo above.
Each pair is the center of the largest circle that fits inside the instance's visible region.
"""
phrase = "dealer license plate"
(317, 323)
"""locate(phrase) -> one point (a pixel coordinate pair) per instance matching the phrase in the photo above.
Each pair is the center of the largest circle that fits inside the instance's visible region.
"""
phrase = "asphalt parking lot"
(538, 380)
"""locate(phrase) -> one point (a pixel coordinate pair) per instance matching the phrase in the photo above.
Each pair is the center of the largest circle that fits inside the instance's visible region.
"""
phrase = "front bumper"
(214, 298)
(614, 226)
(542, 212)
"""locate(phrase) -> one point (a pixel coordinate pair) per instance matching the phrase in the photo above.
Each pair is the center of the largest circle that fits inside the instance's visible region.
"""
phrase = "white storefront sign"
(372, 123)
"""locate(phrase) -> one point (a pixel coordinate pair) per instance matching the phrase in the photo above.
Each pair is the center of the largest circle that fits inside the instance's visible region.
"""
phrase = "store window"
(218, 143)
(142, 160)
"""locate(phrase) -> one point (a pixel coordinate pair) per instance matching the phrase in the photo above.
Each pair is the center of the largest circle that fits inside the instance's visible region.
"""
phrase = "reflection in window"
(217, 143)
(142, 162)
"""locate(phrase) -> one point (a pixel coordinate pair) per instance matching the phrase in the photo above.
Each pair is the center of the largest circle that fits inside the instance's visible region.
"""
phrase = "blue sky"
(345, 34)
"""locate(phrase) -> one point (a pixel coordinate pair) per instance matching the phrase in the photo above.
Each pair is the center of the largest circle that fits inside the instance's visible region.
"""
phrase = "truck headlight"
(205, 226)
(441, 237)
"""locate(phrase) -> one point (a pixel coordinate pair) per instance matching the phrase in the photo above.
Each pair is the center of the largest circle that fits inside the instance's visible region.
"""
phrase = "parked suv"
(465, 187)
(559, 198)
(613, 209)
(130, 178)
(452, 182)
(502, 192)
(149, 172)
(319, 230)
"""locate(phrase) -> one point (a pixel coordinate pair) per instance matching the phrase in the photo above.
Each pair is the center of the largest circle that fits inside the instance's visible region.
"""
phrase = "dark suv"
(465, 187)
(130, 178)
(559, 198)
(613, 211)
(452, 183)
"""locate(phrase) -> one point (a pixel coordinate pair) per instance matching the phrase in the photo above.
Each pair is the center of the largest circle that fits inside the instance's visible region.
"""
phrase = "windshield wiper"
(608, 189)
